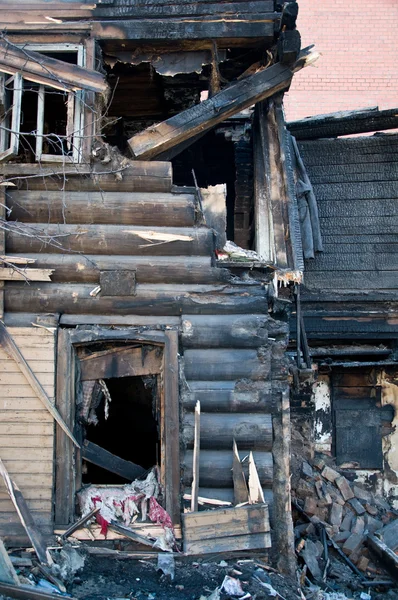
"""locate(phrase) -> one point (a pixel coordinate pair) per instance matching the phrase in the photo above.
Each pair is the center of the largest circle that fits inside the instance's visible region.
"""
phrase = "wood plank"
(7, 571)
(25, 274)
(352, 280)
(25, 515)
(195, 464)
(26, 441)
(218, 430)
(241, 493)
(11, 348)
(231, 100)
(10, 378)
(25, 416)
(122, 362)
(175, 9)
(2, 245)
(163, 300)
(255, 490)
(356, 191)
(255, 541)
(115, 208)
(44, 69)
(35, 505)
(40, 367)
(123, 239)
(33, 479)
(27, 592)
(39, 454)
(44, 467)
(222, 522)
(24, 391)
(108, 461)
(36, 429)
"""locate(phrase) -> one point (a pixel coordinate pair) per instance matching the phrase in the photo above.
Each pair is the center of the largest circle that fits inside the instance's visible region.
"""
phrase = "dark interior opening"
(132, 430)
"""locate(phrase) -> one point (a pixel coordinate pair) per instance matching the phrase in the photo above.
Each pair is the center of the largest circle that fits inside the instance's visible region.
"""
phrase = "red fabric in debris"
(158, 515)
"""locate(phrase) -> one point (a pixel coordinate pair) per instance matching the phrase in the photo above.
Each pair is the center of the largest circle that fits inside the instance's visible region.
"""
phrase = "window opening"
(42, 123)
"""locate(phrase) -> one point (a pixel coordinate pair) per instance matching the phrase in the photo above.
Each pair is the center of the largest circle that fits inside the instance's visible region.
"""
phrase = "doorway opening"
(127, 426)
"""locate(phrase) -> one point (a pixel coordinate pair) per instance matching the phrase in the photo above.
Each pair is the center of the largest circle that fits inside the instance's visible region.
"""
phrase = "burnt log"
(110, 239)
(113, 208)
(247, 331)
(150, 299)
(251, 432)
(222, 396)
(223, 364)
(215, 468)
(72, 268)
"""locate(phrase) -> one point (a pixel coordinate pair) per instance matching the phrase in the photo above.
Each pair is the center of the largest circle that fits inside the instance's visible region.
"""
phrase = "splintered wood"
(227, 529)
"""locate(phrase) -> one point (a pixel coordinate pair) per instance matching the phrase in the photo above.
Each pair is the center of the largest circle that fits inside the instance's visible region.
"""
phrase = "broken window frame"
(9, 132)
(75, 111)
(68, 458)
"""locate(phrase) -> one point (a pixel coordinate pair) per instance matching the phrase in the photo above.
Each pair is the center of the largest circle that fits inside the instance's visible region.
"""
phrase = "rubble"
(350, 516)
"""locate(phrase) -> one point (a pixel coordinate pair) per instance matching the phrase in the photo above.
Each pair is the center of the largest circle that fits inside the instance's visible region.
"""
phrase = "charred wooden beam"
(215, 467)
(344, 123)
(122, 239)
(138, 176)
(251, 432)
(226, 397)
(43, 69)
(108, 461)
(69, 268)
(120, 362)
(102, 208)
(220, 364)
(170, 300)
(247, 331)
(161, 9)
(197, 28)
(239, 95)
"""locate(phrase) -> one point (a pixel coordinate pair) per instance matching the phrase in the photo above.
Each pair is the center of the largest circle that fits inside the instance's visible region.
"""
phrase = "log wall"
(27, 431)
(228, 361)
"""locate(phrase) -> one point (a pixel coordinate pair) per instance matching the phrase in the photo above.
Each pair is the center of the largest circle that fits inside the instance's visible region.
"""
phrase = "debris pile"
(333, 512)
(124, 504)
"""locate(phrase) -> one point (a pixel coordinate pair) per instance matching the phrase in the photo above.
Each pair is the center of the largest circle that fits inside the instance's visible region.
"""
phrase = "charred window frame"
(11, 96)
(68, 457)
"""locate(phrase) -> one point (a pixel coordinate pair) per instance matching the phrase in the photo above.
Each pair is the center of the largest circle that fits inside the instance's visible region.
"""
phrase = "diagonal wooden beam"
(155, 140)
(10, 347)
(24, 515)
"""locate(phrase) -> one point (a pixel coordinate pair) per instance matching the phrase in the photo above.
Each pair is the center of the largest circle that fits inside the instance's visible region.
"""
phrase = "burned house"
(153, 243)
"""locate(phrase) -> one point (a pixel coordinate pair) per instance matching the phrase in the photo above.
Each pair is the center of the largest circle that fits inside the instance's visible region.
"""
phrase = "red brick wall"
(358, 67)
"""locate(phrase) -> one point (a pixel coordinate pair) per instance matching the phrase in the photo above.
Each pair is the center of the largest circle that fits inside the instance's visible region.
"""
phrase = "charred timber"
(114, 208)
(110, 239)
(215, 468)
(222, 364)
(239, 95)
(150, 299)
(217, 431)
(247, 331)
(222, 396)
(344, 123)
(72, 268)
(122, 10)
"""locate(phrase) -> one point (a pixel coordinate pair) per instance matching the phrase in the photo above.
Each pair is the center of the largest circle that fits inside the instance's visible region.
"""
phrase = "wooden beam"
(344, 123)
(80, 522)
(24, 515)
(231, 100)
(121, 362)
(12, 350)
(43, 69)
(195, 459)
(3, 209)
(108, 461)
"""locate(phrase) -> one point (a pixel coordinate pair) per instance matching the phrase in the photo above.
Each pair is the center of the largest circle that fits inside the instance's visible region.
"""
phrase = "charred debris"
(186, 340)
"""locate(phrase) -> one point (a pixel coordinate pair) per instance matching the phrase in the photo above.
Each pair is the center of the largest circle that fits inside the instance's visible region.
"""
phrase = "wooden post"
(241, 493)
(2, 244)
(282, 511)
(196, 455)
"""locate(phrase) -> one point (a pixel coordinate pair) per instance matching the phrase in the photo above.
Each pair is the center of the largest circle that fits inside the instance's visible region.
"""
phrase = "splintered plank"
(239, 95)
(108, 461)
(196, 454)
(24, 515)
(243, 528)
